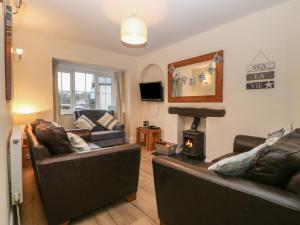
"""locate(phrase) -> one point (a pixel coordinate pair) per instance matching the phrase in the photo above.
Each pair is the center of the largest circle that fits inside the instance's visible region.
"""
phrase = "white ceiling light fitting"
(134, 31)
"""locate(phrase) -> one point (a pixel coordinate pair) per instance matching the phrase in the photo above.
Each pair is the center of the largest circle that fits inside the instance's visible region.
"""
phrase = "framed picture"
(8, 51)
(198, 79)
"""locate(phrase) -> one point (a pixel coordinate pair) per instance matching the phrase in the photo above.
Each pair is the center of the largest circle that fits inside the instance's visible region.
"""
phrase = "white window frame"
(74, 69)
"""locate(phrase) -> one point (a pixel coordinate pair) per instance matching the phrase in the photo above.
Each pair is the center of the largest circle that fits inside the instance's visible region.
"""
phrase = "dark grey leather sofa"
(100, 135)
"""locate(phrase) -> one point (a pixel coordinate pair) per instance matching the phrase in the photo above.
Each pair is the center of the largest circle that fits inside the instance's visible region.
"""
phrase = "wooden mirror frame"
(218, 97)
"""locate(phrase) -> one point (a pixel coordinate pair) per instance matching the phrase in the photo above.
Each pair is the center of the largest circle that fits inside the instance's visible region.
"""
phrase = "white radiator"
(15, 161)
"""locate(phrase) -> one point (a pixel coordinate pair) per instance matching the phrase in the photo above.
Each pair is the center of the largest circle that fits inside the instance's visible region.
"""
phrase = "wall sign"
(260, 75)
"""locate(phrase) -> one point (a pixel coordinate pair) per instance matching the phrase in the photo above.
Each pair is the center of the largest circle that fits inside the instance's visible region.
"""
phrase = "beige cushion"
(77, 143)
(84, 123)
(108, 121)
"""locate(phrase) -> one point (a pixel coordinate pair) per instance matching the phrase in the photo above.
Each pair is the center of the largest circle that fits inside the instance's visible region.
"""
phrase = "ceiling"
(97, 22)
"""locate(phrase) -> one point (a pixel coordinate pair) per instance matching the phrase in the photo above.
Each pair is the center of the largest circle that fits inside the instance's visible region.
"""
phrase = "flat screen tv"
(152, 92)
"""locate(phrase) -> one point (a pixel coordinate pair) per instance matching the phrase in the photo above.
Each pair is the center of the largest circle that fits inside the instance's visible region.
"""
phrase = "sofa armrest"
(243, 143)
(297, 130)
(182, 188)
(85, 134)
(120, 127)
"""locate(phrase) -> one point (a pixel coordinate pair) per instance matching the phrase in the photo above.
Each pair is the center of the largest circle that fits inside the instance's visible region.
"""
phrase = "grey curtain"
(56, 100)
(119, 101)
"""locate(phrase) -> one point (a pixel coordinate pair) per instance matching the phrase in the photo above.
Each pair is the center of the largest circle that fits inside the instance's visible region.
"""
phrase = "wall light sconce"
(18, 53)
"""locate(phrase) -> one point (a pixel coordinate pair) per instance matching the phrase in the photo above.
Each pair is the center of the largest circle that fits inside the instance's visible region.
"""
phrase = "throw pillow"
(77, 143)
(36, 123)
(54, 138)
(84, 123)
(273, 137)
(238, 164)
(275, 165)
(108, 121)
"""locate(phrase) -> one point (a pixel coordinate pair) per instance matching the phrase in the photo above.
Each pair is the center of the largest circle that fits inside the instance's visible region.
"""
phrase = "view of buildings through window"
(80, 90)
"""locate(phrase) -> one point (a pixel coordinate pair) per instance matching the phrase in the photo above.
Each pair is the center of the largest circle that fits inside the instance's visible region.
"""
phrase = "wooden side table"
(150, 136)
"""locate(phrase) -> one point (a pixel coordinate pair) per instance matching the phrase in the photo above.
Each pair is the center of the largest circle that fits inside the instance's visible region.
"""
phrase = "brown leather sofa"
(192, 195)
(73, 184)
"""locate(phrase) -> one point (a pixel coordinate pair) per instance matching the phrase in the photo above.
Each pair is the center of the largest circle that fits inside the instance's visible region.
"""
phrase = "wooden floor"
(142, 211)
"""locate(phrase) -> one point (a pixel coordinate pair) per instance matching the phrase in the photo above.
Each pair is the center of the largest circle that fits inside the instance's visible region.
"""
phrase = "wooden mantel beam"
(197, 112)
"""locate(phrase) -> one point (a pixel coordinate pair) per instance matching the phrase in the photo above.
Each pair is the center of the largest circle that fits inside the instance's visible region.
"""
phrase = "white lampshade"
(134, 31)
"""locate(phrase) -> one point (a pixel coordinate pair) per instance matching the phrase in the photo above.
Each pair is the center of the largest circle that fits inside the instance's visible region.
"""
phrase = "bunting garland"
(180, 77)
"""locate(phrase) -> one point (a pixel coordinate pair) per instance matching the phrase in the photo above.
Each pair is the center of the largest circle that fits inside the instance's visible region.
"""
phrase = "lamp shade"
(134, 31)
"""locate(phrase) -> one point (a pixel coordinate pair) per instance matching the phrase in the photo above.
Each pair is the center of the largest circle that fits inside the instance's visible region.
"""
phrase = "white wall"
(33, 74)
(293, 60)
(5, 128)
(252, 112)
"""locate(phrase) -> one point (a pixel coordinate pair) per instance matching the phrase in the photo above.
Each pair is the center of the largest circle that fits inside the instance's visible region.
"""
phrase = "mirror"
(199, 79)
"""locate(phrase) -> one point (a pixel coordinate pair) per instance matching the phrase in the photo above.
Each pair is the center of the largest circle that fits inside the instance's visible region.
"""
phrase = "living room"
(222, 74)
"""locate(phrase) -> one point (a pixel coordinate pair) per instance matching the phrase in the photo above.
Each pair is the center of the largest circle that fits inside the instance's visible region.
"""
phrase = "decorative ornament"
(172, 69)
(183, 80)
(211, 68)
(192, 81)
(217, 59)
(202, 76)
(261, 73)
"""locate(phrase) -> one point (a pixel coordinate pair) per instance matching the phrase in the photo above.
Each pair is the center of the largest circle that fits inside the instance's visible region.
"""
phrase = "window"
(105, 87)
(84, 90)
(64, 88)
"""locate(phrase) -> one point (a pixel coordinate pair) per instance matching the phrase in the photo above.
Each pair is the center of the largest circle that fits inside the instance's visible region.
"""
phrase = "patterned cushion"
(108, 121)
(84, 123)
(77, 143)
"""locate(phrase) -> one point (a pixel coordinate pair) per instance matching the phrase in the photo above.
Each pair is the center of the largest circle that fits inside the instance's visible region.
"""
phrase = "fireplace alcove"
(193, 139)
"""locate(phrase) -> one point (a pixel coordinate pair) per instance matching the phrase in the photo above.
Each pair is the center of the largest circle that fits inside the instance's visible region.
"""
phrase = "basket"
(165, 148)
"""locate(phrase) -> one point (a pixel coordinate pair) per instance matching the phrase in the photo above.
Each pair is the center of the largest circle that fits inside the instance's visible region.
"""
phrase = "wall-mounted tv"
(152, 92)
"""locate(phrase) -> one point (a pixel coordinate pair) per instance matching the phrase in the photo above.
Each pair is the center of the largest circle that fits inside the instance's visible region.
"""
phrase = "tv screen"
(152, 91)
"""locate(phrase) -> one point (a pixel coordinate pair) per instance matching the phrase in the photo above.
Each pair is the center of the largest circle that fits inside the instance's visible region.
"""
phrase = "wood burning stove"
(193, 141)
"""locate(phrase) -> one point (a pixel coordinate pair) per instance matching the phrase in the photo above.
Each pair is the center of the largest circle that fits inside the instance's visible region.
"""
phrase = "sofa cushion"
(84, 123)
(77, 143)
(108, 121)
(236, 165)
(93, 146)
(102, 135)
(37, 122)
(276, 164)
(54, 138)
(224, 157)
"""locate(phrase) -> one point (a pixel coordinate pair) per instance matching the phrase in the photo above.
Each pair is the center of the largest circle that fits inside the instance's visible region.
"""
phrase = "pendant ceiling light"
(134, 31)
